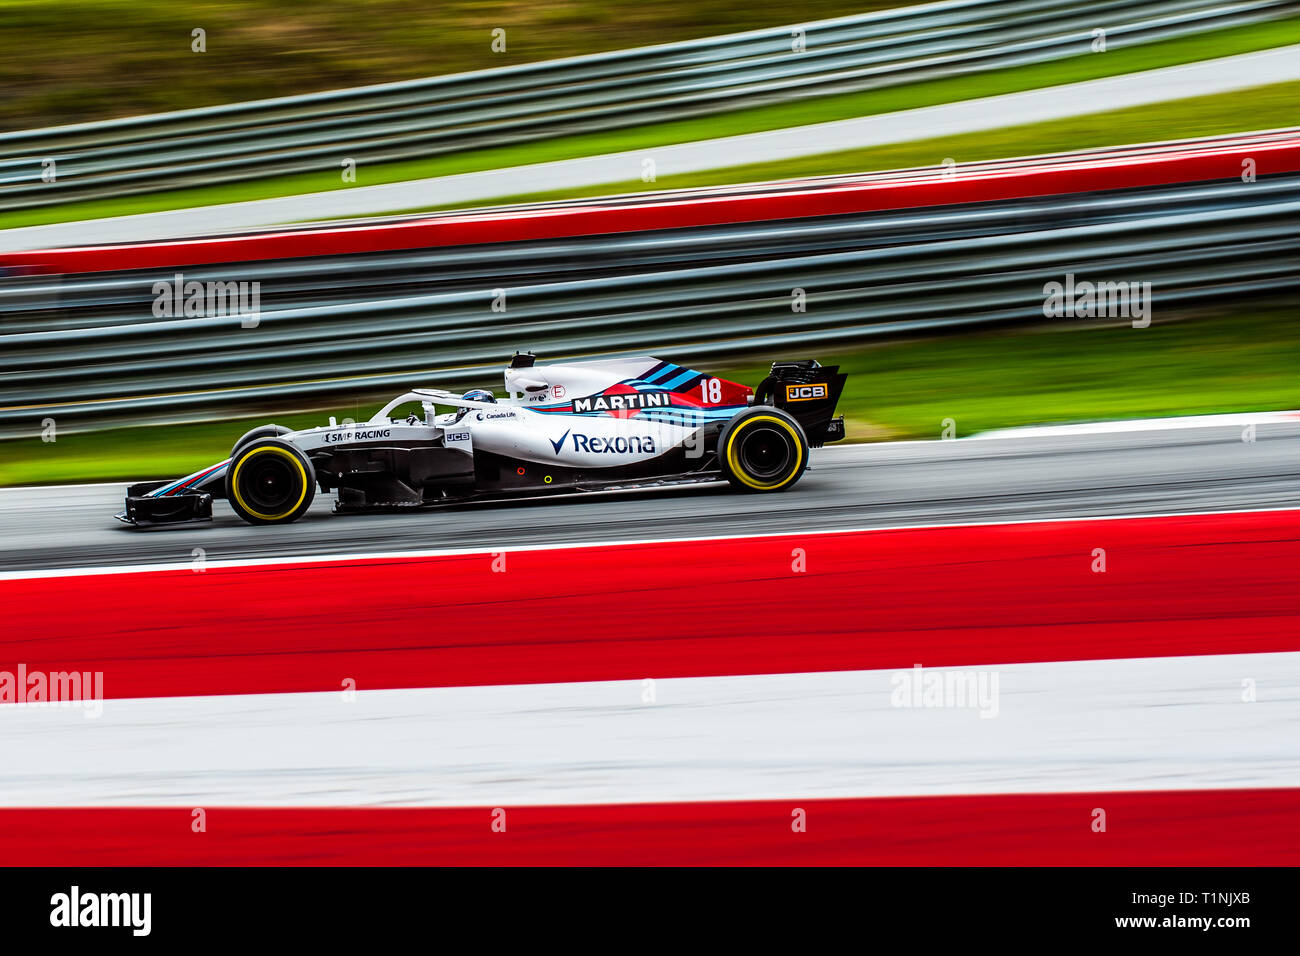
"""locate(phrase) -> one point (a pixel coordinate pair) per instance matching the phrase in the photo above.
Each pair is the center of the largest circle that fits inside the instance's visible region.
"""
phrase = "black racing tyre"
(763, 449)
(261, 431)
(270, 481)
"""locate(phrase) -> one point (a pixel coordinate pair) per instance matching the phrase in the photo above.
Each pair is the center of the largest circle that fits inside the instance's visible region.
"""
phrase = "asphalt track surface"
(950, 119)
(901, 484)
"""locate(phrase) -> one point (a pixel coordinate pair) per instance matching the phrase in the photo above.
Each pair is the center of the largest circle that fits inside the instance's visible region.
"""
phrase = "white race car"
(584, 426)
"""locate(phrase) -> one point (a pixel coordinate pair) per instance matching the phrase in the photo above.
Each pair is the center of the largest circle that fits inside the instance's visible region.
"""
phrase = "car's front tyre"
(270, 481)
(763, 449)
(261, 431)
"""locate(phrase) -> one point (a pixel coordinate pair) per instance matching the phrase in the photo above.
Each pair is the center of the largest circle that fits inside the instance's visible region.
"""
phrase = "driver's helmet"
(475, 395)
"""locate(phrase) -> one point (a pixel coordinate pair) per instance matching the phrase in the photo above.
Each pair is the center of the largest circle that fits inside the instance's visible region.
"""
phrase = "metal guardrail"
(420, 118)
(88, 350)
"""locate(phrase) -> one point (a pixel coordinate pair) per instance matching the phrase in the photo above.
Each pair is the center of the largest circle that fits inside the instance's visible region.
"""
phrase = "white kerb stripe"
(1157, 723)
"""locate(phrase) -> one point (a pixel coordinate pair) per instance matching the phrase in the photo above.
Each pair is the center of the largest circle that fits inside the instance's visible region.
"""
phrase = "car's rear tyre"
(261, 431)
(270, 481)
(763, 449)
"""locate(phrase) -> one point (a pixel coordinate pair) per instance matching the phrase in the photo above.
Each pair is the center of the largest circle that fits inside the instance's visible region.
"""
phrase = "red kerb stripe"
(1173, 586)
(1159, 828)
(1085, 173)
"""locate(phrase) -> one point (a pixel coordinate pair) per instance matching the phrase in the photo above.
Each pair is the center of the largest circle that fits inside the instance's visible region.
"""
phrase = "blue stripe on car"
(685, 376)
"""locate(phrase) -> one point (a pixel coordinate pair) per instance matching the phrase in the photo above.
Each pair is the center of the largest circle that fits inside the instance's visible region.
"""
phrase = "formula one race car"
(586, 426)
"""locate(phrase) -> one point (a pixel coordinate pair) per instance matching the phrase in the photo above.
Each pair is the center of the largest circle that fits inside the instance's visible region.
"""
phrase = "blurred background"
(137, 128)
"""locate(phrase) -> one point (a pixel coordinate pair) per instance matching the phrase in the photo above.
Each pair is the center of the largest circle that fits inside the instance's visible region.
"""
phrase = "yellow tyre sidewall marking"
(739, 472)
(283, 452)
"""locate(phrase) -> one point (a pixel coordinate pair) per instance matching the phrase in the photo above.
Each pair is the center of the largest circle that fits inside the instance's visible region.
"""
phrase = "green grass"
(138, 453)
(1272, 106)
(1245, 360)
(1084, 67)
(68, 61)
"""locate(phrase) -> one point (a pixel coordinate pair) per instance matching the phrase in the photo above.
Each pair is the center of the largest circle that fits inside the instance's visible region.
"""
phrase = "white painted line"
(74, 487)
(1231, 419)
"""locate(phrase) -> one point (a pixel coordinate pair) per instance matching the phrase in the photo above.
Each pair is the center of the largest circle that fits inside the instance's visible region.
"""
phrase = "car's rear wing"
(808, 391)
